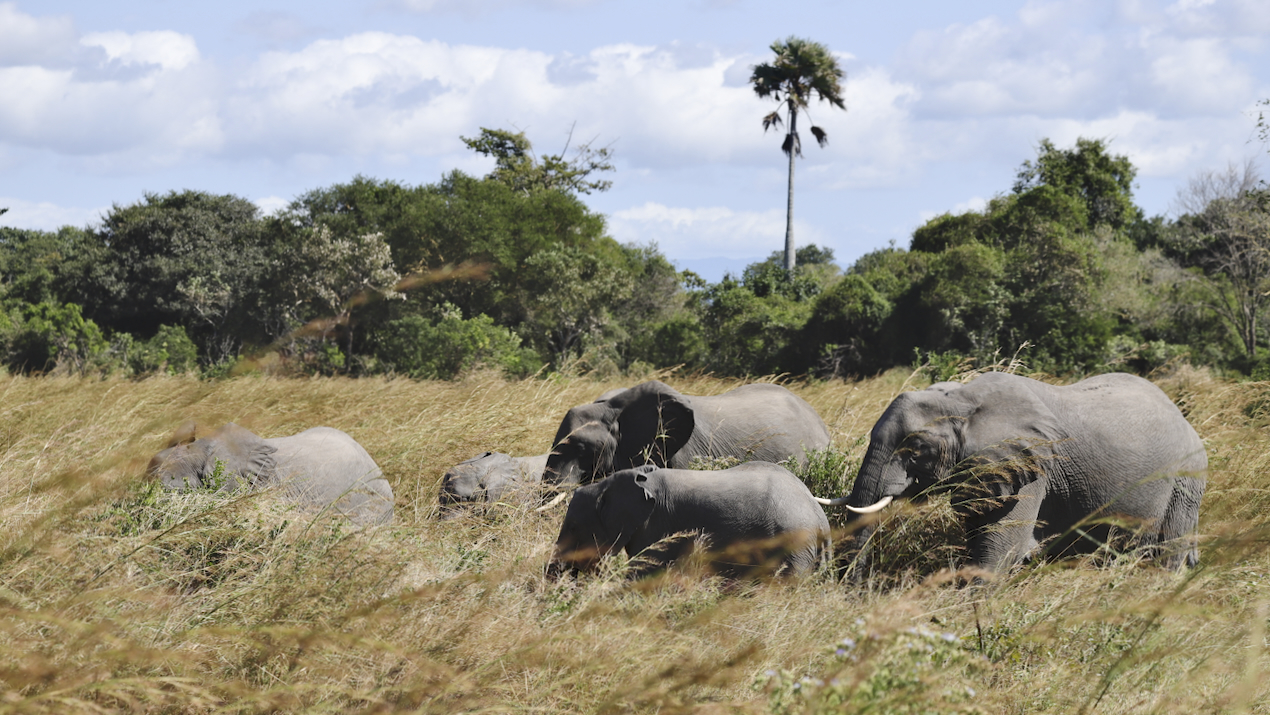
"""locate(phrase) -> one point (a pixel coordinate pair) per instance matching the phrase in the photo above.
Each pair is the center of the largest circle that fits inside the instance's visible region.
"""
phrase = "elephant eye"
(920, 453)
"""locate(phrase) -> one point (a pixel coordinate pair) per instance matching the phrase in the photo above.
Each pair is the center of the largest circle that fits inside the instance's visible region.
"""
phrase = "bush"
(170, 351)
(421, 348)
(54, 335)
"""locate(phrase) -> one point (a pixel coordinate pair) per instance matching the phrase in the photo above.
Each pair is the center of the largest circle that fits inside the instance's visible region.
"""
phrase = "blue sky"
(107, 101)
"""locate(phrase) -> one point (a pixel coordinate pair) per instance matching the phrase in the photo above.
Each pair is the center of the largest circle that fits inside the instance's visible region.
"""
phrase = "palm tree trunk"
(789, 207)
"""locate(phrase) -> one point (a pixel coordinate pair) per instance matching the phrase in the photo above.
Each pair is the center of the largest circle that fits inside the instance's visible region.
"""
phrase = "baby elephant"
(491, 477)
(758, 519)
(318, 467)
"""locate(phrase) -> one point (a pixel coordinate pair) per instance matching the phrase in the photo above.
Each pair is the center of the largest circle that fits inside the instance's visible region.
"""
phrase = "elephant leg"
(1006, 536)
(1178, 545)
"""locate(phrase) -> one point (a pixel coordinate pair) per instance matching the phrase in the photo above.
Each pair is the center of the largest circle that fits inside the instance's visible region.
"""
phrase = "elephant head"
(476, 479)
(190, 463)
(646, 424)
(982, 443)
(602, 519)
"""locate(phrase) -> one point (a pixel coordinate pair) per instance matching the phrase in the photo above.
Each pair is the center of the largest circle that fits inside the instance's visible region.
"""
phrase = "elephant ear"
(1009, 438)
(620, 489)
(648, 486)
(654, 424)
(245, 455)
(184, 434)
(623, 507)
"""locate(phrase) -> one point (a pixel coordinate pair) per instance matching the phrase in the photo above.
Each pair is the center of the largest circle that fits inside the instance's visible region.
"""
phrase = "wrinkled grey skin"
(318, 467)
(758, 519)
(491, 477)
(652, 423)
(1027, 462)
(495, 476)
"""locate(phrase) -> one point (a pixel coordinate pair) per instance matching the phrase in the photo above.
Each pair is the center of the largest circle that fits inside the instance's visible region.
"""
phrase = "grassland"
(116, 597)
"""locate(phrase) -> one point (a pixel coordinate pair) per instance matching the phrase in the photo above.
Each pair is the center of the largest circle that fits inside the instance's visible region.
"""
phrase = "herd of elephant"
(1033, 470)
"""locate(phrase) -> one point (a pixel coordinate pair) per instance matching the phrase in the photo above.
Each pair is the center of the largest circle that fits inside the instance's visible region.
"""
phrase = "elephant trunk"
(881, 478)
(854, 565)
(562, 471)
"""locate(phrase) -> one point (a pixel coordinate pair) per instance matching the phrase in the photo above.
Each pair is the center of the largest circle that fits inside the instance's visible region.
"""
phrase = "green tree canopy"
(1102, 181)
(188, 258)
(517, 166)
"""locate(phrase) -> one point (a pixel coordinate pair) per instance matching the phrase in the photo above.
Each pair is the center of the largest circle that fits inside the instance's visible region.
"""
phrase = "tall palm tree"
(802, 67)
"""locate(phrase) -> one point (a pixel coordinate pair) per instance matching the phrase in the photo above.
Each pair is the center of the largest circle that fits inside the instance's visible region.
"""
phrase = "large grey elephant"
(317, 468)
(652, 423)
(757, 517)
(491, 477)
(1035, 470)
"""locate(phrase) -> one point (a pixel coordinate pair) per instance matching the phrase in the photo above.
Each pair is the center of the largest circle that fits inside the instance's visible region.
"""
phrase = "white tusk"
(842, 502)
(559, 498)
(870, 509)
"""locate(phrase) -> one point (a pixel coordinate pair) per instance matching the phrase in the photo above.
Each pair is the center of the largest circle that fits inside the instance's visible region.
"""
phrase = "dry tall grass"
(115, 597)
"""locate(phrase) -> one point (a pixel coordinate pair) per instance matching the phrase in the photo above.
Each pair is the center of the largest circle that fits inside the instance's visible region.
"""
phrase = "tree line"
(513, 271)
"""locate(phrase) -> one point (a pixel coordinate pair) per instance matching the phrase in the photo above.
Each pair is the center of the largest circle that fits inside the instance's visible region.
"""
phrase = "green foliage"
(748, 335)
(828, 472)
(679, 340)
(570, 299)
(41, 266)
(845, 326)
(186, 258)
(1101, 181)
(517, 167)
(814, 271)
(170, 351)
(53, 335)
(449, 346)
(355, 278)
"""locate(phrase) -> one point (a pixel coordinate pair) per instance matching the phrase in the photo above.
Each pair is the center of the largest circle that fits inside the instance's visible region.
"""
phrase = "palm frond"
(800, 69)
(792, 143)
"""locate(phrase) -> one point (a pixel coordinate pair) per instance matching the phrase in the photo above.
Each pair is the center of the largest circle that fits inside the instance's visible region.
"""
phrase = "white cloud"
(707, 232)
(45, 215)
(141, 98)
(1077, 59)
(169, 50)
(26, 40)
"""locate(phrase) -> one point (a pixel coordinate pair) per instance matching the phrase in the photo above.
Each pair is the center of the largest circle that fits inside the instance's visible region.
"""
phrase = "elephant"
(1036, 470)
(758, 517)
(489, 477)
(318, 467)
(652, 423)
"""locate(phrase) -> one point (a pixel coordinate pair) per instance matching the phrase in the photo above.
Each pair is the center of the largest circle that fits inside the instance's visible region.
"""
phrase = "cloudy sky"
(266, 99)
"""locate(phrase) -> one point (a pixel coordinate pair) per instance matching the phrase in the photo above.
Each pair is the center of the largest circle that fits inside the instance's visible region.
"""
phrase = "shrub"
(170, 351)
(444, 348)
(55, 335)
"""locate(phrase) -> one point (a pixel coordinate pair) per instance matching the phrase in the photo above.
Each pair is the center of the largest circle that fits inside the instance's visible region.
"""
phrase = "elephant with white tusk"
(1036, 470)
(317, 468)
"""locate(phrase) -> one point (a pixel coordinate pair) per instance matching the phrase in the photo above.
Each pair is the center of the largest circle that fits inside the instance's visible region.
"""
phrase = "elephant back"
(325, 466)
(760, 422)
